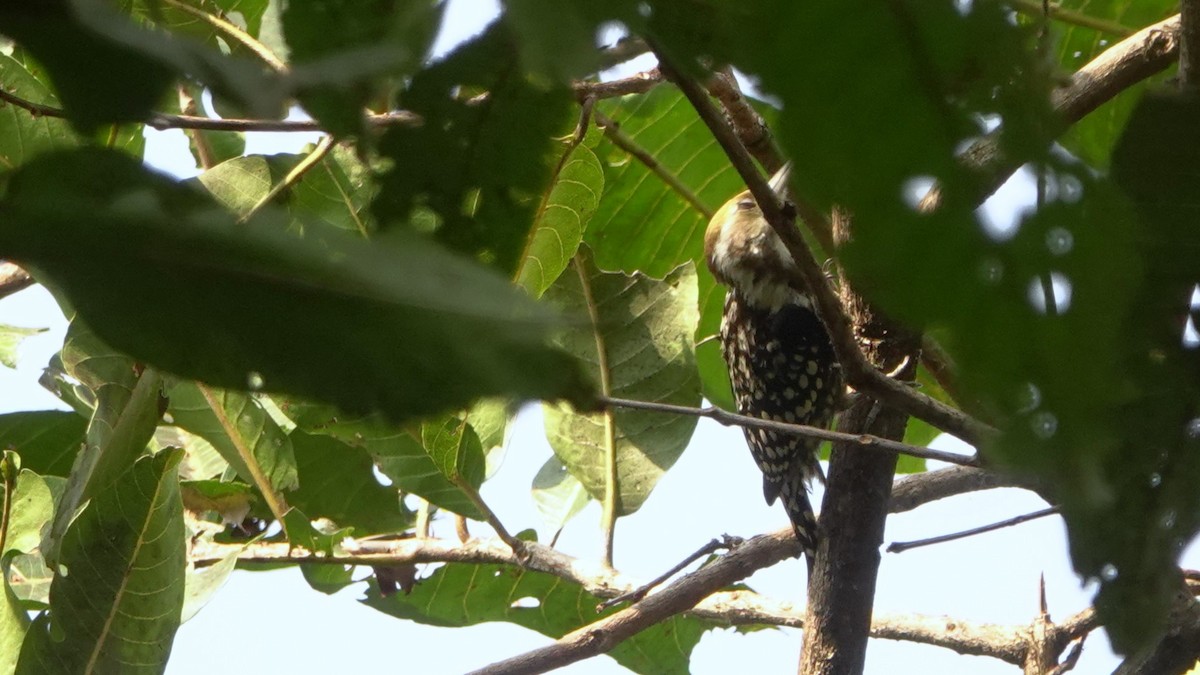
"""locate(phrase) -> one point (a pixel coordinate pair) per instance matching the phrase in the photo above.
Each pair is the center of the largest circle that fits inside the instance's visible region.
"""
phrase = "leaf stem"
(1034, 8)
(230, 30)
(275, 501)
(308, 162)
(611, 488)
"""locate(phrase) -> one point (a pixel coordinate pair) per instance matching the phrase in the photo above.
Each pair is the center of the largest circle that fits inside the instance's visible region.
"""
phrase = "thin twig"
(859, 372)
(902, 546)
(726, 542)
(861, 440)
(162, 121)
(518, 546)
(612, 131)
(1057, 12)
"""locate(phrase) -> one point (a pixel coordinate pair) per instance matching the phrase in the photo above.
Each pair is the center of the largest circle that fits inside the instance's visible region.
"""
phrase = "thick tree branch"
(727, 418)
(916, 490)
(1143, 54)
(859, 372)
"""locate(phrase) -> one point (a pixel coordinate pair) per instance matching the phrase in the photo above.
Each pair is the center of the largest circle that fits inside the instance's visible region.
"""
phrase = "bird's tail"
(794, 495)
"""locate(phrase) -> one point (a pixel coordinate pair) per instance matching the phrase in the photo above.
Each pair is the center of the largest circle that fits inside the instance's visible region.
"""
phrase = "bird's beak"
(779, 182)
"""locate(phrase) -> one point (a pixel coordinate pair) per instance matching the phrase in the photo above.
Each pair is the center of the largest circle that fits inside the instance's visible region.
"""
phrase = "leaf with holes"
(636, 337)
(337, 482)
(398, 452)
(118, 608)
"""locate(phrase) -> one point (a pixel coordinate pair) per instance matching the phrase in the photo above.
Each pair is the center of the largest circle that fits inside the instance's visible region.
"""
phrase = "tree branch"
(902, 546)
(916, 490)
(1189, 47)
(734, 608)
(859, 372)
(13, 279)
(860, 440)
(1143, 54)
(1035, 8)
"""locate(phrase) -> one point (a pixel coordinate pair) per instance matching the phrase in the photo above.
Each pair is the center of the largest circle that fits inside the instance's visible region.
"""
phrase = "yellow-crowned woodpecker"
(780, 359)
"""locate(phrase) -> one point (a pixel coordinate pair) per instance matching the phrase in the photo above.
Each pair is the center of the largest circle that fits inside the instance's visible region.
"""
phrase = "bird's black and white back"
(780, 358)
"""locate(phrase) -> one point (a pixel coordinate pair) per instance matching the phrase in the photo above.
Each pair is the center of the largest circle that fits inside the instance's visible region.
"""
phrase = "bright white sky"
(273, 622)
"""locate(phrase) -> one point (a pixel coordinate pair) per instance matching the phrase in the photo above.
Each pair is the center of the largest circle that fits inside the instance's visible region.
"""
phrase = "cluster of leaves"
(388, 307)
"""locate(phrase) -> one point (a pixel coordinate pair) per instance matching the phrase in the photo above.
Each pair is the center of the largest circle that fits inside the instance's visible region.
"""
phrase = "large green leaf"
(118, 607)
(47, 440)
(561, 219)
(465, 595)
(474, 171)
(638, 339)
(126, 414)
(337, 482)
(353, 42)
(89, 49)
(399, 453)
(642, 223)
(238, 427)
(164, 274)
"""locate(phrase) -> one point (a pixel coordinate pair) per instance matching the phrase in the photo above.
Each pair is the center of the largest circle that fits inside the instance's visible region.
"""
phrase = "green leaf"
(28, 506)
(334, 193)
(11, 338)
(561, 219)
(14, 621)
(328, 579)
(455, 449)
(89, 48)
(202, 583)
(337, 482)
(121, 240)
(239, 429)
(557, 493)
(642, 223)
(354, 43)
(118, 608)
(637, 341)
(127, 412)
(466, 595)
(1092, 138)
(398, 453)
(472, 170)
(47, 440)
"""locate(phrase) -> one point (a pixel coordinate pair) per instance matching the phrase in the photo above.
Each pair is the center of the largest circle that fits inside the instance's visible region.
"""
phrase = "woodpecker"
(780, 358)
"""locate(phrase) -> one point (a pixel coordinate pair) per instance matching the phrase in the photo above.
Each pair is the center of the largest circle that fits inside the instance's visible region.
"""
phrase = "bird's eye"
(746, 204)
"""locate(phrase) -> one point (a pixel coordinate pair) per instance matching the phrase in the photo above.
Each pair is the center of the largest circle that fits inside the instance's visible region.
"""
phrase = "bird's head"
(744, 252)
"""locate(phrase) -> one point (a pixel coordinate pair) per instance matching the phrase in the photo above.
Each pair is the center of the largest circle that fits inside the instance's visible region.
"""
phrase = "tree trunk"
(841, 585)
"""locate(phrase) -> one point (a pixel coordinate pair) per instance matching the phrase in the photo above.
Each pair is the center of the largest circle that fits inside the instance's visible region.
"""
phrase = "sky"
(273, 622)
